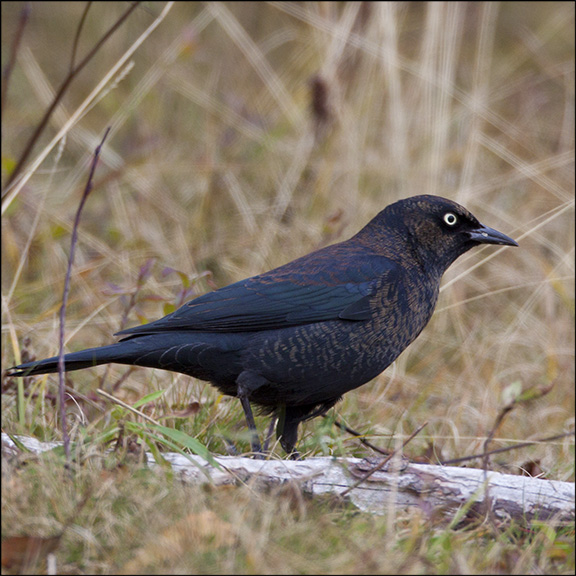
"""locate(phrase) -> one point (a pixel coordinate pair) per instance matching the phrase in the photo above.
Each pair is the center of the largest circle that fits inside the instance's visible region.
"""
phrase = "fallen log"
(453, 491)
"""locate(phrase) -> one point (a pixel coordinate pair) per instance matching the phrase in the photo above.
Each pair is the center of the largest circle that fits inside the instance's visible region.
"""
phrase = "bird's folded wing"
(280, 299)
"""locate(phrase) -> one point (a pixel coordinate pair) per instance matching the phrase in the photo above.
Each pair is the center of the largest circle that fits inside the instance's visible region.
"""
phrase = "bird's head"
(435, 230)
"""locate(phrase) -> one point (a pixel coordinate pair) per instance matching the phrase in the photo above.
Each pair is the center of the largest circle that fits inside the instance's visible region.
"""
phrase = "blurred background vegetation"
(246, 134)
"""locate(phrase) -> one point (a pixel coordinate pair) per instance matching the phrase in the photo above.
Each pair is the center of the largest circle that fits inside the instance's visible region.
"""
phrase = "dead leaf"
(22, 552)
(190, 410)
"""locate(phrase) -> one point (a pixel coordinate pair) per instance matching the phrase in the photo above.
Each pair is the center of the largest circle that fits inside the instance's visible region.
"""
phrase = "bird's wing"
(284, 297)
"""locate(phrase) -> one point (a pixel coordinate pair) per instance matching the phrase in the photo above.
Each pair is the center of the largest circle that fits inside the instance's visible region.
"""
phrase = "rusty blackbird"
(293, 340)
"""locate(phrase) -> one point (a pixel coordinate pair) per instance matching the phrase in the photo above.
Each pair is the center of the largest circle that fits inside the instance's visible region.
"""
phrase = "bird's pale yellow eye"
(450, 219)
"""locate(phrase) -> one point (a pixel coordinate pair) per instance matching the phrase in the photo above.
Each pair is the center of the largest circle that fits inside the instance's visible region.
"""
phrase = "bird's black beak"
(485, 235)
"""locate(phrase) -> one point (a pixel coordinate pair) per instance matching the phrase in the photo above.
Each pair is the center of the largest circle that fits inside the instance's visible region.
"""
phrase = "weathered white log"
(434, 488)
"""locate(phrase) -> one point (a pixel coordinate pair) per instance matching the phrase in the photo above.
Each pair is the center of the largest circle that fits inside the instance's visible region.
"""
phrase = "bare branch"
(73, 242)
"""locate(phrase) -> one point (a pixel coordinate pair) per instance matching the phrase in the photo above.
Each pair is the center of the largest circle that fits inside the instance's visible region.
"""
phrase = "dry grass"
(218, 162)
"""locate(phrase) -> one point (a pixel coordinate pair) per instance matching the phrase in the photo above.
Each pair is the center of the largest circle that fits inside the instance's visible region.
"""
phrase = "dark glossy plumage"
(295, 339)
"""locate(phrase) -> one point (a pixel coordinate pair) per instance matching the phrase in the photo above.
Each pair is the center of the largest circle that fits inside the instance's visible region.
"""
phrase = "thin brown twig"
(72, 74)
(23, 20)
(360, 437)
(77, 35)
(143, 275)
(384, 462)
(507, 448)
(385, 452)
(499, 419)
(487, 502)
(73, 242)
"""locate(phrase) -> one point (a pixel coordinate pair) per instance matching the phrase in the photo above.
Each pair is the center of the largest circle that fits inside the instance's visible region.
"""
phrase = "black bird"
(295, 339)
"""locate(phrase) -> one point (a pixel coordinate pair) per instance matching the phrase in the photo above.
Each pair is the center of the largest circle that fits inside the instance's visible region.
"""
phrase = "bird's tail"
(203, 356)
(73, 361)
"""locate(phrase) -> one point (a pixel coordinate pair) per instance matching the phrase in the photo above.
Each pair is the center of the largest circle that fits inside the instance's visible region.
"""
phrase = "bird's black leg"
(270, 432)
(287, 432)
(254, 440)
(247, 382)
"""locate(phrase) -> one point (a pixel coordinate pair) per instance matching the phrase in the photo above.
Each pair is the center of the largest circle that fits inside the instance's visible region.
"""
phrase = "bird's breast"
(400, 312)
